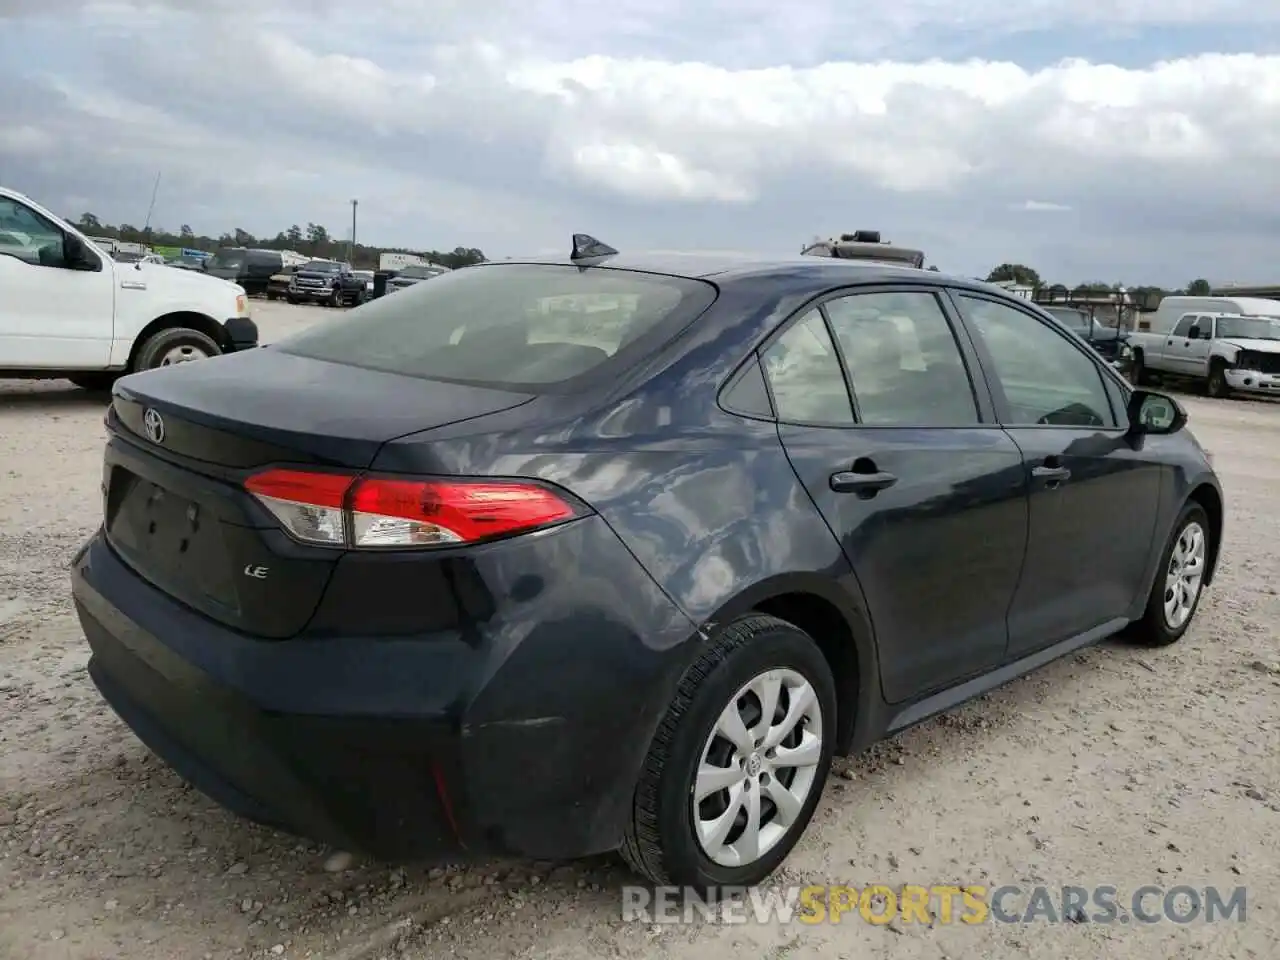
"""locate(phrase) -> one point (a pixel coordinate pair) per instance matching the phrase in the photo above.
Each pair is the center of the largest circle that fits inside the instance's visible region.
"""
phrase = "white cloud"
(1041, 206)
(509, 125)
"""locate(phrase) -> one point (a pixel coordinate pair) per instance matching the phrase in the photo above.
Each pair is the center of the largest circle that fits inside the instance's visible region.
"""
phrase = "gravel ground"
(1116, 766)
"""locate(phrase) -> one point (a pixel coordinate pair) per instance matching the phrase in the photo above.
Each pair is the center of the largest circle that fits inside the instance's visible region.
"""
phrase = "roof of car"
(732, 266)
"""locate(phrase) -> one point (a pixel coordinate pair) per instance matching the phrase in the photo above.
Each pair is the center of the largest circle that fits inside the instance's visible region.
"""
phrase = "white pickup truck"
(1227, 353)
(68, 310)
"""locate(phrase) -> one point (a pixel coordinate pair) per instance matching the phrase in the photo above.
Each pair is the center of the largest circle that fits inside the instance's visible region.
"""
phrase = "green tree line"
(313, 240)
(1027, 276)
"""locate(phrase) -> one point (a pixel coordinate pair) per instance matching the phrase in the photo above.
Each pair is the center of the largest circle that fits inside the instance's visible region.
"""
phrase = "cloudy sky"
(1130, 140)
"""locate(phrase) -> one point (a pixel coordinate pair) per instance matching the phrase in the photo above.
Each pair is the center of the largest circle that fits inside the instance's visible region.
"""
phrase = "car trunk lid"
(184, 439)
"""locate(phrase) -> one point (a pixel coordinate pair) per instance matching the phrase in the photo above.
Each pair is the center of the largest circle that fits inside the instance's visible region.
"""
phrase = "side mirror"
(1155, 413)
(77, 255)
(1193, 333)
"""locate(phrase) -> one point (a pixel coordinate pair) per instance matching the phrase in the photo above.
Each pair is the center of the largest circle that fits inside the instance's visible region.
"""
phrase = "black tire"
(163, 342)
(335, 300)
(1138, 375)
(95, 382)
(660, 842)
(272, 295)
(1216, 386)
(294, 300)
(1154, 629)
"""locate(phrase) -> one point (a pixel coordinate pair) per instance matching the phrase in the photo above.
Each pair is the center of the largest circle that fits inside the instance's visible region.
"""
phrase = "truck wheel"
(1217, 384)
(294, 300)
(95, 382)
(1139, 373)
(166, 348)
(272, 295)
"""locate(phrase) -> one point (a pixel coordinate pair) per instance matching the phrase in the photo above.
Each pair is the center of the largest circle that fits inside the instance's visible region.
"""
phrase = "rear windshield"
(521, 326)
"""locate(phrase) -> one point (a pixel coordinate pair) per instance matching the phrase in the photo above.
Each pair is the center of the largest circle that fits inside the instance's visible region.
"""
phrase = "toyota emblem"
(153, 423)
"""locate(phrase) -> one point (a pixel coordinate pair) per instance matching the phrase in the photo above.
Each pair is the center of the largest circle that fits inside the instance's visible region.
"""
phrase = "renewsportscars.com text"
(936, 904)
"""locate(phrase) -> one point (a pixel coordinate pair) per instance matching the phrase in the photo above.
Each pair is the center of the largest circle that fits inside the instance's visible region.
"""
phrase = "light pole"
(351, 247)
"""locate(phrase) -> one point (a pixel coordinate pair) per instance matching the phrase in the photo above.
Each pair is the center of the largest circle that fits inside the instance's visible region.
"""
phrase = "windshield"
(518, 326)
(1252, 328)
(321, 266)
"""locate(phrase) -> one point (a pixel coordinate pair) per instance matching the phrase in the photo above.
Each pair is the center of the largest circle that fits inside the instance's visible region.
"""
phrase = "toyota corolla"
(616, 552)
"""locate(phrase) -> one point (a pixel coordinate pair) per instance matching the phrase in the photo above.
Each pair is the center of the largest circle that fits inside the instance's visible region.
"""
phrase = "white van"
(1173, 308)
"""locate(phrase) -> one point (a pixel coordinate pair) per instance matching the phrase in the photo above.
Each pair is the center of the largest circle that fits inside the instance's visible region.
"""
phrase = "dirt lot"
(1118, 766)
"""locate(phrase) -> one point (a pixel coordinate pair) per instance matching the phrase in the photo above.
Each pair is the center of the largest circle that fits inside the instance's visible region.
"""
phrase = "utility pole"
(351, 248)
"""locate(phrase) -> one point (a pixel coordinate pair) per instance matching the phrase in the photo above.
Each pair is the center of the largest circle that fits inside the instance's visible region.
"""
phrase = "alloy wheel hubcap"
(1186, 573)
(757, 768)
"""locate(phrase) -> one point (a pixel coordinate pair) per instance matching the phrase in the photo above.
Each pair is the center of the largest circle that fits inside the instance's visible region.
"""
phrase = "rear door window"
(804, 373)
(532, 327)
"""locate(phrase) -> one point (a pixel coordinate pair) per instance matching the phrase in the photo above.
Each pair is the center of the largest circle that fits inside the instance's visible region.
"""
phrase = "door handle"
(1051, 475)
(865, 485)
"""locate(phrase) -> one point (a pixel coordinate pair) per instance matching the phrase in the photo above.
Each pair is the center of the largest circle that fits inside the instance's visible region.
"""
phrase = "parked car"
(367, 277)
(1223, 353)
(187, 263)
(1111, 343)
(278, 283)
(552, 581)
(412, 274)
(71, 311)
(331, 282)
(250, 268)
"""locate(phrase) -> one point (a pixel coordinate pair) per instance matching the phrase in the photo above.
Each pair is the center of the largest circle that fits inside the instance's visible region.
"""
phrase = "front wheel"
(1217, 383)
(166, 348)
(1137, 372)
(1175, 595)
(738, 764)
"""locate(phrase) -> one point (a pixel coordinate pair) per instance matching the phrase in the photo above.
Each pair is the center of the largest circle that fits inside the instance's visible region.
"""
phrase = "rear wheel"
(1179, 583)
(739, 762)
(166, 348)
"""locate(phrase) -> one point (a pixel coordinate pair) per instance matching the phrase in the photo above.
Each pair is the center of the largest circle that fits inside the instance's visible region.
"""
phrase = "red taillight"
(342, 510)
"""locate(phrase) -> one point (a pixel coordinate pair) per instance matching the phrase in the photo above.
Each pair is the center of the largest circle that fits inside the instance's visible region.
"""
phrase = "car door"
(1093, 492)
(1196, 356)
(899, 451)
(1177, 346)
(52, 317)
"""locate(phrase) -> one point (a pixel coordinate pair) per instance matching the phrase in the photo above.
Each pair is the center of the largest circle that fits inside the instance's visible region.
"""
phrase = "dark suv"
(250, 268)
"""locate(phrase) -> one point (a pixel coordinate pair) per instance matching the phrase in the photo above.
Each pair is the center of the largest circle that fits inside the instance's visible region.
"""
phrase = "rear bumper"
(527, 741)
(242, 333)
(1251, 381)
